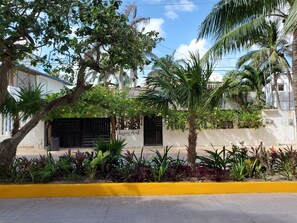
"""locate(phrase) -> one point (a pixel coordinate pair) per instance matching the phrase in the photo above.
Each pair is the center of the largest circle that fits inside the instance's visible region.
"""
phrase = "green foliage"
(238, 170)
(216, 119)
(160, 164)
(25, 103)
(134, 168)
(239, 163)
(98, 161)
(215, 159)
(101, 102)
(250, 119)
(114, 148)
(253, 167)
(286, 162)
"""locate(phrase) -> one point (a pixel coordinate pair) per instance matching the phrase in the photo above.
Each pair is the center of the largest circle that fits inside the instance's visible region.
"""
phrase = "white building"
(284, 90)
(24, 77)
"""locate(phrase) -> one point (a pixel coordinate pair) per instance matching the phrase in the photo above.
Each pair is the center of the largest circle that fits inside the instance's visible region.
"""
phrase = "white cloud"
(180, 6)
(201, 46)
(171, 15)
(154, 24)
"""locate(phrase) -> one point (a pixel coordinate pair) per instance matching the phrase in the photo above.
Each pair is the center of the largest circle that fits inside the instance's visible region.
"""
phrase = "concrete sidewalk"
(147, 151)
(236, 208)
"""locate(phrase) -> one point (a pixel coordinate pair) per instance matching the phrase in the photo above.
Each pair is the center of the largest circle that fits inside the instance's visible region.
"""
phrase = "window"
(280, 87)
(128, 123)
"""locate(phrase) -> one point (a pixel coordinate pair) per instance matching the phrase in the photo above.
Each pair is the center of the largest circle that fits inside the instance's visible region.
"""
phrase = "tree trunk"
(113, 128)
(8, 146)
(192, 139)
(294, 76)
(133, 78)
(16, 124)
(121, 79)
(5, 68)
(278, 104)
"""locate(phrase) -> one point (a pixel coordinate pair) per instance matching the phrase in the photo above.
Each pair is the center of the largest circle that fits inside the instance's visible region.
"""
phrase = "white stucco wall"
(279, 130)
(49, 85)
(35, 138)
(133, 138)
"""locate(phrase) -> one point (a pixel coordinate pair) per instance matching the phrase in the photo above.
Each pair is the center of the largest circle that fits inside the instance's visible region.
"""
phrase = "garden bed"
(108, 171)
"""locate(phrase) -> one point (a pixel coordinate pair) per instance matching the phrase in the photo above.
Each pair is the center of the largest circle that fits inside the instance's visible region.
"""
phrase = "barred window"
(128, 123)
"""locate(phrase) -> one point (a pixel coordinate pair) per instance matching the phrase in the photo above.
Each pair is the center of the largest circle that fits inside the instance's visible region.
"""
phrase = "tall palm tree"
(133, 20)
(183, 86)
(231, 21)
(270, 55)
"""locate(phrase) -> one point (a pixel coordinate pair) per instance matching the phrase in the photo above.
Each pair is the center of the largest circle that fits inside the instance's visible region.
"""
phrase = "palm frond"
(291, 21)
(227, 15)
(237, 39)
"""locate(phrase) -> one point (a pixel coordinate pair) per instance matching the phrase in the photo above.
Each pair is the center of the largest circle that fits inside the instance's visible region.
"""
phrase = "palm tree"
(244, 81)
(183, 86)
(270, 56)
(231, 21)
(21, 106)
(133, 20)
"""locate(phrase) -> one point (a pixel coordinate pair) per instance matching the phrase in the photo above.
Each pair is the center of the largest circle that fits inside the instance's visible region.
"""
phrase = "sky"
(178, 22)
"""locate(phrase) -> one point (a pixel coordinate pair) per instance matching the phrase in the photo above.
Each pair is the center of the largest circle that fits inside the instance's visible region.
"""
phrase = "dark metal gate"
(80, 132)
(153, 134)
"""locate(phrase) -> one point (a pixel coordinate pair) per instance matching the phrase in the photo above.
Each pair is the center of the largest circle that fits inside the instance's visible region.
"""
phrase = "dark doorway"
(153, 134)
(80, 132)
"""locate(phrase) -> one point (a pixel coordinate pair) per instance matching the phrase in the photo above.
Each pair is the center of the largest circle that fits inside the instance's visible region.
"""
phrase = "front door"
(153, 135)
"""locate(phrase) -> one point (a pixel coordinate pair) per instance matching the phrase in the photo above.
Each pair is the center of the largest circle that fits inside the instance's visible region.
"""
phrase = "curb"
(142, 189)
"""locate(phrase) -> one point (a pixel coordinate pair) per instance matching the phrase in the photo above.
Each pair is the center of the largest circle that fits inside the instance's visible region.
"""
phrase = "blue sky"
(178, 21)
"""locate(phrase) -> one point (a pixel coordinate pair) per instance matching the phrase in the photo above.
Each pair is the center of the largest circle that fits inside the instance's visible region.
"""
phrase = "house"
(23, 77)
(142, 131)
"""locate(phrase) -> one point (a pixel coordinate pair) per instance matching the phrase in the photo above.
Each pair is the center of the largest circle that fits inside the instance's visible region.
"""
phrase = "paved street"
(255, 208)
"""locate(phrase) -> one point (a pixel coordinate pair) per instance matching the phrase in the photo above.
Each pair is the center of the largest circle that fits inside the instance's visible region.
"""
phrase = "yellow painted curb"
(142, 189)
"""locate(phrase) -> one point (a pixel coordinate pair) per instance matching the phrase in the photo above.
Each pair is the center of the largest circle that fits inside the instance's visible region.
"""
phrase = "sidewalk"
(147, 151)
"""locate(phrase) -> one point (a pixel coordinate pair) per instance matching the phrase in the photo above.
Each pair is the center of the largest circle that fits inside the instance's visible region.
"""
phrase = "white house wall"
(35, 138)
(49, 85)
(279, 130)
(22, 79)
(133, 138)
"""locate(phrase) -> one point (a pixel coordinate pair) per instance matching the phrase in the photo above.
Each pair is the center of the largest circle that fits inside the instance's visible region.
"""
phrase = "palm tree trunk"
(294, 75)
(278, 104)
(192, 140)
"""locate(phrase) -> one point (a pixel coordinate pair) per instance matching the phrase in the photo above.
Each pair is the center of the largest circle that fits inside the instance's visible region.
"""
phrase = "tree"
(242, 82)
(269, 58)
(134, 21)
(183, 86)
(25, 27)
(21, 106)
(231, 21)
(101, 38)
